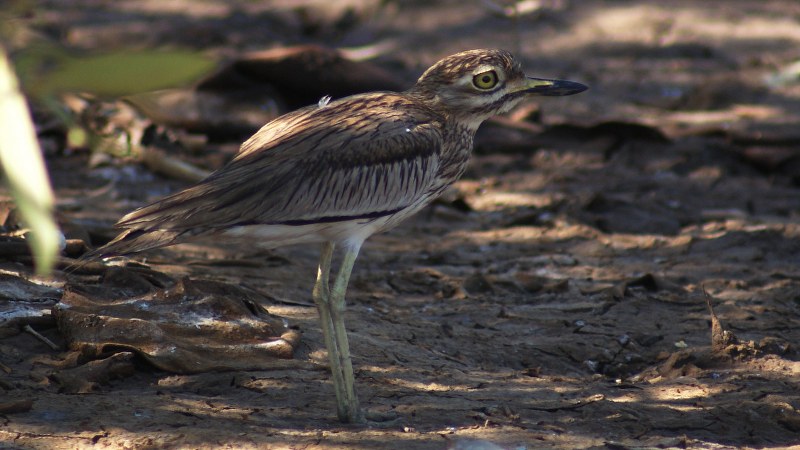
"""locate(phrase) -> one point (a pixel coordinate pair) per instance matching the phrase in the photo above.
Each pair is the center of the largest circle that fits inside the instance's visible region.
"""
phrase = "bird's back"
(360, 158)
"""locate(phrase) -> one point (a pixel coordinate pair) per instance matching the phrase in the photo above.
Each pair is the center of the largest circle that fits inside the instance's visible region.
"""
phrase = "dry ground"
(556, 299)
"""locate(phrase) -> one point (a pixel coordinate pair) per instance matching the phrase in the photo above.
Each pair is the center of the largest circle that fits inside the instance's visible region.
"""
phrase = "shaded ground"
(557, 298)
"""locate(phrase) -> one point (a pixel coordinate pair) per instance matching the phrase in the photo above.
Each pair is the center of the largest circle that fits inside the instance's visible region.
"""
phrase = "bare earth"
(556, 298)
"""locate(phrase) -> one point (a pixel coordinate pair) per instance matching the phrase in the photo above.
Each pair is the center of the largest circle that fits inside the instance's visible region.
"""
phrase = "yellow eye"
(485, 80)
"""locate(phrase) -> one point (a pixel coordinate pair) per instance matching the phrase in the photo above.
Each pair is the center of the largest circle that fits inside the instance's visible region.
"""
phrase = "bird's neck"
(456, 151)
(458, 116)
(459, 129)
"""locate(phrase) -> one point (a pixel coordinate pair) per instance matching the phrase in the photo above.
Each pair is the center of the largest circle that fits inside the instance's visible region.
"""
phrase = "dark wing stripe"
(331, 219)
(381, 155)
(323, 219)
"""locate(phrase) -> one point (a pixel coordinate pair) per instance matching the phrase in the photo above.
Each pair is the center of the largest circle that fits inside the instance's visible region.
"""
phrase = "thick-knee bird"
(339, 171)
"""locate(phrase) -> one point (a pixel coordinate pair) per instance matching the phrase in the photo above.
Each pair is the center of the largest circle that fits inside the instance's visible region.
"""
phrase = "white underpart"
(323, 102)
(350, 234)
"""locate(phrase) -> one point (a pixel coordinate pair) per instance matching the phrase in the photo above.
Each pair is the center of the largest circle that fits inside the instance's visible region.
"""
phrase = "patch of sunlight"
(189, 8)
(644, 25)
(696, 25)
(494, 201)
(625, 24)
(512, 235)
(682, 240)
(566, 389)
(264, 384)
(678, 392)
(383, 370)
(205, 407)
(625, 398)
(673, 399)
(431, 387)
(621, 241)
(560, 231)
(758, 112)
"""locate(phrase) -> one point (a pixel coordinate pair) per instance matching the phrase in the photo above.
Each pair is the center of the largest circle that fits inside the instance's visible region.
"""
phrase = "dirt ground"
(557, 297)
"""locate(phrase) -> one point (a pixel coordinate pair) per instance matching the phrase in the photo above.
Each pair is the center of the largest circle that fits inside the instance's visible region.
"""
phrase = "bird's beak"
(541, 86)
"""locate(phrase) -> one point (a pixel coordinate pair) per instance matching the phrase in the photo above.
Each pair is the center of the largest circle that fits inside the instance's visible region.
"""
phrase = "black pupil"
(487, 79)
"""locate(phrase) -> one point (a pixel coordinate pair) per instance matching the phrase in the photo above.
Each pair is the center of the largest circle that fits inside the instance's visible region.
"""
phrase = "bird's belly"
(273, 236)
(398, 217)
(349, 232)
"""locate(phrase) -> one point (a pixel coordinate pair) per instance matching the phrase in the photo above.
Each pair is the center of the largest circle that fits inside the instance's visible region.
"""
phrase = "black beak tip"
(564, 87)
(559, 88)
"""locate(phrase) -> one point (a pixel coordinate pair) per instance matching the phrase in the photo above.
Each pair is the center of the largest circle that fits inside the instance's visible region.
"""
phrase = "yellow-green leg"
(331, 306)
(338, 306)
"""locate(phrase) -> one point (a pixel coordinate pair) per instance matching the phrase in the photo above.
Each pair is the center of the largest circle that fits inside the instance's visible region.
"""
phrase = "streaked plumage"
(340, 171)
(316, 165)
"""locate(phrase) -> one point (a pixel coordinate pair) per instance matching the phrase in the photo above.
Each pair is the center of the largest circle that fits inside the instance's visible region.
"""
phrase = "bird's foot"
(381, 418)
(372, 418)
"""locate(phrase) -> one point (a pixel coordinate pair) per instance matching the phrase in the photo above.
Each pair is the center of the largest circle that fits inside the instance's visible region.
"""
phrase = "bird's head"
(477, 84)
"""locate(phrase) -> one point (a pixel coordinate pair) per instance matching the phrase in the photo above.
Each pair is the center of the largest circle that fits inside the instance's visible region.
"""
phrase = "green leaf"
(113, 74)
(22, 162)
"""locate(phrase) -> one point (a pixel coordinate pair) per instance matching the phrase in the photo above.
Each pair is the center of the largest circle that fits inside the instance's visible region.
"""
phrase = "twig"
(36, 334)
(158, 161)
(579, 403)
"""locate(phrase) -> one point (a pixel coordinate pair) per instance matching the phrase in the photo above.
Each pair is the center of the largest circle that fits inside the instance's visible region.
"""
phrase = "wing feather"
(361, 156)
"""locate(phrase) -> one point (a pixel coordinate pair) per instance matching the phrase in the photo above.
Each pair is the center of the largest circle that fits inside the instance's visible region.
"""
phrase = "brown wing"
(362, 156)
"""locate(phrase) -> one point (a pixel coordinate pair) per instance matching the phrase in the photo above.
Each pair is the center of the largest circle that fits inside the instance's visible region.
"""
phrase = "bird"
(338, 171)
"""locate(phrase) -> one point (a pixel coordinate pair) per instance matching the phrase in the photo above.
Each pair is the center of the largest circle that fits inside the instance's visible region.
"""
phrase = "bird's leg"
(322, 298)
(337, 298)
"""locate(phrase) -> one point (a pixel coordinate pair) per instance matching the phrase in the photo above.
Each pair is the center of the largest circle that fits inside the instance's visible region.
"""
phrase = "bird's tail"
(134, 241)
(128, 242)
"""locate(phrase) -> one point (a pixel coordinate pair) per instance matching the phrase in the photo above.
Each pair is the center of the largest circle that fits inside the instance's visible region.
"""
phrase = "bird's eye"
(485, 80)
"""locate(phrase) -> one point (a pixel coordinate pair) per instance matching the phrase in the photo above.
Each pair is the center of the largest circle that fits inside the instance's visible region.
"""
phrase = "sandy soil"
(556, 298)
